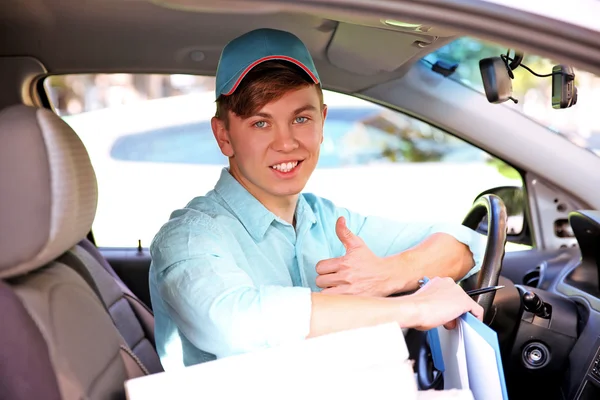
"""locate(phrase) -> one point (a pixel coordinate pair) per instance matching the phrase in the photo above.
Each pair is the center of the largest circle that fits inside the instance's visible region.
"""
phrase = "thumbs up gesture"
(358, 272)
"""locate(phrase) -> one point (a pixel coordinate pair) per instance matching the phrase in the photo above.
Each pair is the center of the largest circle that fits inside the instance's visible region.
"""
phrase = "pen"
(476, 292)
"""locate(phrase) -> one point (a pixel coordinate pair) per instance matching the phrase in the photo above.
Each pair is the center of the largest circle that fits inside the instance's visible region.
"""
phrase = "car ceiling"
(70, 36)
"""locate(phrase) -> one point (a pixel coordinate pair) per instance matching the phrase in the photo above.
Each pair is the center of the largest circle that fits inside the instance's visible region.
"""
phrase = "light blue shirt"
(228, 276)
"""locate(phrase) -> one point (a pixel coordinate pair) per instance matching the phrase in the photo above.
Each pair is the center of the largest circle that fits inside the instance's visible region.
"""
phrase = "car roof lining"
(69, 36)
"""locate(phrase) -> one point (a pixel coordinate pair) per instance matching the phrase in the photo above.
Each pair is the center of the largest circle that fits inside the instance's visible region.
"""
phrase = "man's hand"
(359, 272)
(441, 301)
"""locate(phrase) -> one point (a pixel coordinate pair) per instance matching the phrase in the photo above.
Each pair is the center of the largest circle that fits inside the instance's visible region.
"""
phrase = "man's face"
(274, 152)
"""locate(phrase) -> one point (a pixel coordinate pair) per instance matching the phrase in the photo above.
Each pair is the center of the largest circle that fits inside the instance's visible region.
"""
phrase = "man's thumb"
(348, 239)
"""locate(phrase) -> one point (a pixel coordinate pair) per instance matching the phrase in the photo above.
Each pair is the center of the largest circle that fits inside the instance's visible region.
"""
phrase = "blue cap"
(257, 46)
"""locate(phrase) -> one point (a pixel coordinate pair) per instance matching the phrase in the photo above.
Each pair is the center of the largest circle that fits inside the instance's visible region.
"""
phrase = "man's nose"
(285, 140)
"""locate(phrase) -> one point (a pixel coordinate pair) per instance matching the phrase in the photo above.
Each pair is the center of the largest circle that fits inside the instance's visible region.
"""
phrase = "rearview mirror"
(514, 201)
(497, 83)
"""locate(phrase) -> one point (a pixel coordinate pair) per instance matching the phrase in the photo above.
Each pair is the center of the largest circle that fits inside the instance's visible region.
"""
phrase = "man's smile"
(286, 166)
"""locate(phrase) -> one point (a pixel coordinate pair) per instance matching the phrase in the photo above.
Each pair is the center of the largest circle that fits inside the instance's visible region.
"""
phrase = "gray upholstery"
(48, 189)
(84, 345)
(48, 194)
(25, 369)
(142, 312)
(136, 324)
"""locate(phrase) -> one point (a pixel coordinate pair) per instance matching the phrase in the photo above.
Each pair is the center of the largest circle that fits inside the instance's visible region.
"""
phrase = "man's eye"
(260, 124)
(300, 120)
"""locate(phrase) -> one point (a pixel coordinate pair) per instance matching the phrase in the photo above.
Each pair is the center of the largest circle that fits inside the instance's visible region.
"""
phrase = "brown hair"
(265, 83)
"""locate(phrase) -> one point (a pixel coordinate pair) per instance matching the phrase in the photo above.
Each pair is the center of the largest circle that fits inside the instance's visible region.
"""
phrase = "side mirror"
(497, 83)
(515, 202)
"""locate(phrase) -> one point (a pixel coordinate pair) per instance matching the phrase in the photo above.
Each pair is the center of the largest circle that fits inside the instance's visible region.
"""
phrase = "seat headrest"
(48, 189)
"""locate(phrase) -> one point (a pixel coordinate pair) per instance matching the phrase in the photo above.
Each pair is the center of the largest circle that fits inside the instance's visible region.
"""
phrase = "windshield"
(579, 123)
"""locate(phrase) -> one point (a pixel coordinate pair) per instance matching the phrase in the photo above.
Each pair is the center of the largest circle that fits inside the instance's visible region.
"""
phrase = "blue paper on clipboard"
(434, 341)
(484, 363)
(436, 349)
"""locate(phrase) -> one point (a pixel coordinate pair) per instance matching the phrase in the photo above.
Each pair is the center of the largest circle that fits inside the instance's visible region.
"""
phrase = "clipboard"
(472, 360)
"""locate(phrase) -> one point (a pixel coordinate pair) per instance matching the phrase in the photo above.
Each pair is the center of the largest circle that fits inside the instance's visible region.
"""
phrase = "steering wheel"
(493, 209)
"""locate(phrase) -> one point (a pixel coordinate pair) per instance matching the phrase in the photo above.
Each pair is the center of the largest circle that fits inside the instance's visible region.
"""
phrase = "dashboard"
(548, 323)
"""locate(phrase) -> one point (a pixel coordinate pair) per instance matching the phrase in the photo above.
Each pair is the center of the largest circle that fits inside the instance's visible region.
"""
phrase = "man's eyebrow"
(262, 115)
(308, 107)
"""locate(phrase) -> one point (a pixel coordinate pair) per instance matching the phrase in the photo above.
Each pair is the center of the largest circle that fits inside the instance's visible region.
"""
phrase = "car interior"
(78, 316)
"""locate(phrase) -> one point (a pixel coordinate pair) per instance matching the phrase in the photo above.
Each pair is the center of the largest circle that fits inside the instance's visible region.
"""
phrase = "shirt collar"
(255, 217)
(304, 213)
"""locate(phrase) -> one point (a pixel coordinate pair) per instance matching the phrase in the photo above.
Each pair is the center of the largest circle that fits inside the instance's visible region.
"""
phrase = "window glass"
(151, 144)
(578, 124)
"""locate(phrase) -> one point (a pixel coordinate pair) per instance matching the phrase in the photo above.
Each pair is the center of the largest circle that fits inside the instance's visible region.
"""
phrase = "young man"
(255, 263)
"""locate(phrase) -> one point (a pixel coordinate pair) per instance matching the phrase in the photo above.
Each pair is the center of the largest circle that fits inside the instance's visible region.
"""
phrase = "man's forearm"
(334, 313)
(438, 303)
(438, 255)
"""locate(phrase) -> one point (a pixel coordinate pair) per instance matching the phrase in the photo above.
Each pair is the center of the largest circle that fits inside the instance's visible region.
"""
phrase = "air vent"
(563, 229)
(532, 277)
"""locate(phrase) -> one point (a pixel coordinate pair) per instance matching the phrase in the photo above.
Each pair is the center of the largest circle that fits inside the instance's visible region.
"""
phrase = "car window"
(577, 124)
(151, 144)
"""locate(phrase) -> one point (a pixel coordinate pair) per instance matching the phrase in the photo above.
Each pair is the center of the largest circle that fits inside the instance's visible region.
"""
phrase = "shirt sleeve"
(213, 302)
(387, 237)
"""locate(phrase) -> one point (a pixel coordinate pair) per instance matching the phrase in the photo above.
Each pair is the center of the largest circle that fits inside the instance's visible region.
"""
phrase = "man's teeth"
(285, 167)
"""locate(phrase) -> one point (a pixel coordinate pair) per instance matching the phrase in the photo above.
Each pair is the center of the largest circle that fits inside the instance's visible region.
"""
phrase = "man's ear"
(222, 136)
(324, 117)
